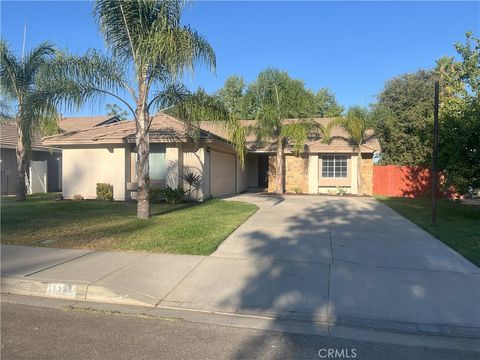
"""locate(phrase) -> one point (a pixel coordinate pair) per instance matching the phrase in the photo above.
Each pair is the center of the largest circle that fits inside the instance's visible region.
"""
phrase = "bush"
(155, 196)
(77, 197)
(104, 191)
(168, 194)
(172, 195)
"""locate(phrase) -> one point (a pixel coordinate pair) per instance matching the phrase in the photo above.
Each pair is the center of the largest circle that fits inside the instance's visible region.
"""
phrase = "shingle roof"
(9, 138)
(84, 122)
(164, 128)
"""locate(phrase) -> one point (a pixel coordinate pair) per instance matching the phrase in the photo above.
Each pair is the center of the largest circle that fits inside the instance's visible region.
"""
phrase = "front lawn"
(187, 228)
(458, 225)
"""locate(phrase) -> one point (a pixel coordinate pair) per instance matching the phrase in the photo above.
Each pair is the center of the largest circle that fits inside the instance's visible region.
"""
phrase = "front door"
(263, 171)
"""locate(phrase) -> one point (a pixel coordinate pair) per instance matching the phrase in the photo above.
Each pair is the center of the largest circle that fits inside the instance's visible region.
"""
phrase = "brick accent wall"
(367, 174)
(296, 173)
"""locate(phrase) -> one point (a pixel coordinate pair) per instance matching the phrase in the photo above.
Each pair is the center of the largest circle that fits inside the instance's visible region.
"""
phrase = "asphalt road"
(31, 332)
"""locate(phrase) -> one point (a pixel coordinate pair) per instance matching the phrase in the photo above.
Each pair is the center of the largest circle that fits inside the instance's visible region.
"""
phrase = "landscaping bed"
(185, 228)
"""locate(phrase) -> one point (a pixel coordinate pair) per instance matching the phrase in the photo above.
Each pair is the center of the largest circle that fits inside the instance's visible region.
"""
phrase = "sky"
(350, 47)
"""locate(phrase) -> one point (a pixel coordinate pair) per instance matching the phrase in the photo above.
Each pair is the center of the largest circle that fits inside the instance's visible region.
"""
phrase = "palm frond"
(149, 32)
(6, 112)
(74, 80)
(10, 72)
(297, 133)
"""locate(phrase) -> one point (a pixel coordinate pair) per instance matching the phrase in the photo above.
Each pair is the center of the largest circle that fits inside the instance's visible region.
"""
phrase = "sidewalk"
(213, 284)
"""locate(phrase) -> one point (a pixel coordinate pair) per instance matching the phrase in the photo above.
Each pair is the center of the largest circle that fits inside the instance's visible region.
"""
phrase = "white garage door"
(222, 173)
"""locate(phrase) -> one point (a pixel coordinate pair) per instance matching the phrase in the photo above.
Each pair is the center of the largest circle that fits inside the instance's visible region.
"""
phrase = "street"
(33, 332)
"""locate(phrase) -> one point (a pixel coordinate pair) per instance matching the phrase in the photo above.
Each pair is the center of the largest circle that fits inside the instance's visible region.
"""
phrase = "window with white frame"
(334, 166)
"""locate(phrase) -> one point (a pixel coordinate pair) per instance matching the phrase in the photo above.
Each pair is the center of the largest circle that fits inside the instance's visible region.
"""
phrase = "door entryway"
(263, 171)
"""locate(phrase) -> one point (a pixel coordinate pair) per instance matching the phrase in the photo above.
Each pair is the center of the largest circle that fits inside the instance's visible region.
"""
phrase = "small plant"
(104, 191)
(173, 196)
(341, 190)
(297, 190)
(193, 180)
(77, 197)
(156, 196)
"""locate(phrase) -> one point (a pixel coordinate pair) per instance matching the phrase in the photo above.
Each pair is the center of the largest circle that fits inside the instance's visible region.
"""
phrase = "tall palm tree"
(276, 98)
(150, 50)
(357, 123)
(24, 101)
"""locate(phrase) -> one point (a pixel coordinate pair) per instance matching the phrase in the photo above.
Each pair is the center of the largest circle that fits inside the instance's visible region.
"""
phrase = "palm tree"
(24, 100)
(275, 97)
(357, 123)
(147, 42)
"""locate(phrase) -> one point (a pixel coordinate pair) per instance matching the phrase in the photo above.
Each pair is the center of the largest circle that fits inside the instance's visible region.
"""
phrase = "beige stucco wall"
(353, 177)
(194, 160)
(313, 174)
(174, 163)
(84, 167)
(243, 177)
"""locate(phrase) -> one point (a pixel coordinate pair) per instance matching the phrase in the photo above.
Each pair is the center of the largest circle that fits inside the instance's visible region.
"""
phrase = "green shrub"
(172, 195)
(167, 194)
(104, 191)
(156, 196)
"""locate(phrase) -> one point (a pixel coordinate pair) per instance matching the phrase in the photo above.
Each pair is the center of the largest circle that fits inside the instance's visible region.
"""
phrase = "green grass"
(187, 228)
(458, 225)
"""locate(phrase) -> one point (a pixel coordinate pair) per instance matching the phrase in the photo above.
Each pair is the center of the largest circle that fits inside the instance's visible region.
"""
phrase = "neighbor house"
(106, 154)
(44, 168)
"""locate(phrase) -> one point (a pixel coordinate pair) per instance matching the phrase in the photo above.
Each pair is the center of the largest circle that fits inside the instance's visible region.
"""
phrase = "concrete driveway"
(327, 257)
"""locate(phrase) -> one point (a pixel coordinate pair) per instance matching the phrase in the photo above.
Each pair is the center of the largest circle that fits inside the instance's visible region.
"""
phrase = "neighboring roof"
(164, 128)
(78, 123)
(340, 140)
(9, 139)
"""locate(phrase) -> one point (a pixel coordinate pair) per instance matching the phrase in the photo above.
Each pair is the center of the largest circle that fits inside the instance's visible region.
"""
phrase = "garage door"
(222, 173)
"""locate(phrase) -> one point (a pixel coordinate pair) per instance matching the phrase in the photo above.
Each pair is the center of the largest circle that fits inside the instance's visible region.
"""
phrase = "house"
(106, 154)
(47, 176)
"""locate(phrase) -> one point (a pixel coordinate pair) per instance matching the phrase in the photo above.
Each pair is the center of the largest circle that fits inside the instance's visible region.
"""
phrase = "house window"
(157, 164)
(334, 166)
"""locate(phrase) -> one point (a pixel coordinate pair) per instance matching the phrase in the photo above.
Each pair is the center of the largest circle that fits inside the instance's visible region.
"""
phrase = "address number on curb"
(62, 290)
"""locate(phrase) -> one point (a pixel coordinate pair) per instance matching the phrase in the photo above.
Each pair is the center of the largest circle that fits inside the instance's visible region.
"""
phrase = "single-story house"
(106, 154)
(41, 176)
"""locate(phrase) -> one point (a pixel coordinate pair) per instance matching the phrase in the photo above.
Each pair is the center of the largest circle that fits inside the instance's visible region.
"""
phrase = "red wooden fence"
(404, 181)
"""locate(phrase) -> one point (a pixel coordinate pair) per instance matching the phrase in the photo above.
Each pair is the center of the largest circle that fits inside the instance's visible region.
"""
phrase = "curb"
(122, 296)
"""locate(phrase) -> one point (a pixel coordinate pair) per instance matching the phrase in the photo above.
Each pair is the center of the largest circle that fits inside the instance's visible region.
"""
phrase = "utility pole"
(435, 151)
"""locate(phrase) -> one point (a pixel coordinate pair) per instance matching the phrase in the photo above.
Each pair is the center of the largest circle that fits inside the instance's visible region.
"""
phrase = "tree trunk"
(359, 172)
(280, 176)
(143, 151)
(21, 167)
